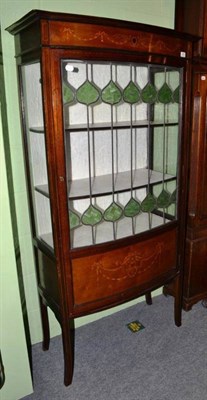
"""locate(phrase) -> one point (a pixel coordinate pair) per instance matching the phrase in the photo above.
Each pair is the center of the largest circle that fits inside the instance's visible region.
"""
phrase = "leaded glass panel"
(121, 134)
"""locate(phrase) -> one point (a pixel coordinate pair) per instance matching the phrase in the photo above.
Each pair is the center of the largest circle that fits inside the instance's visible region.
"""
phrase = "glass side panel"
(32, 98)
(121, 133)
(165, 138)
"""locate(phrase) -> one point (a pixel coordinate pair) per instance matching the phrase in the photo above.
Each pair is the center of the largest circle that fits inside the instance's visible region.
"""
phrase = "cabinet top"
(38, 15)
(39, 29)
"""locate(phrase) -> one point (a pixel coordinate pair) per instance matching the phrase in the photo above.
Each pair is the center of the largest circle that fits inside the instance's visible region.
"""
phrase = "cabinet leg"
(178, 301)
(68, 351)
(204, 303)
(148, 298)
(45, 325)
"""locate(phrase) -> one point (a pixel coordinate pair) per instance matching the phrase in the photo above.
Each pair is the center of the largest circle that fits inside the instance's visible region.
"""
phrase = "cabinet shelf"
(100, 126)
(102, 185)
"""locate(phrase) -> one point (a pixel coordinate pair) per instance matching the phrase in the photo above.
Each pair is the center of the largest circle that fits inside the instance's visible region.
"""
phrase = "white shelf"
(48, 239)
(107, 125)
(102, 185)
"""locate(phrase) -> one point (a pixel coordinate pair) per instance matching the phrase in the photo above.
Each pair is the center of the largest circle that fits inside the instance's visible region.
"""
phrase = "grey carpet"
(161, 362)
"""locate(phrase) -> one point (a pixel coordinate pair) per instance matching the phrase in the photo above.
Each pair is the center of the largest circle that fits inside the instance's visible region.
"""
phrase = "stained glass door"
(121, 134)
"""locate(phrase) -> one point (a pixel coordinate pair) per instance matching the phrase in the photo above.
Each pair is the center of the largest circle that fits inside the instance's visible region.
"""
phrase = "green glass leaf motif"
(132, 208)
(111, 94)
(163, 199)
(149, 203)
(87, 93)
(131, 93)
(176, 95)
(91, 216)
(165, 94)
(149, 94)
(113, 212)
(68, 95)
(74, 219)
(173, 197)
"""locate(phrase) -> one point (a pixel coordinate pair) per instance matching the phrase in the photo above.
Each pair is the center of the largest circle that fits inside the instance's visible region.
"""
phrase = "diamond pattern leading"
(87, 93)
(111, 94)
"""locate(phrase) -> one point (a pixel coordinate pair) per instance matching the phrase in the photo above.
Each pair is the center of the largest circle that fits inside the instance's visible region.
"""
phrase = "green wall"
(12, 333)
(156, 12)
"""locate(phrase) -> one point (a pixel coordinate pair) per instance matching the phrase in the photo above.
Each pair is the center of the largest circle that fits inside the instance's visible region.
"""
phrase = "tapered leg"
(45, 325)
(178, 301)
(148, 298)
(204, 303)
(68, 350)
(165, 291)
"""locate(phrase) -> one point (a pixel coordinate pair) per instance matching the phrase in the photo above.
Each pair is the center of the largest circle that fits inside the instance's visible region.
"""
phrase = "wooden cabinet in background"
(105, 120)
(191, 17)
(195, 271)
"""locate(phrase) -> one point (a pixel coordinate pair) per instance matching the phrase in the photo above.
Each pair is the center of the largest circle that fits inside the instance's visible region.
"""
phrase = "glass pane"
(87, 93)
(149, 94)
(113, 213)
(165, 94)
(35, 136)
(131, 93)
(121, 134)
(111, 94)
(91, 216)
(132, 208)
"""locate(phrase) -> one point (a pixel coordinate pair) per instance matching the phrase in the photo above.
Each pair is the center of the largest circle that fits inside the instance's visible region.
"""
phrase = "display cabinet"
(104, 107)
(195, 276)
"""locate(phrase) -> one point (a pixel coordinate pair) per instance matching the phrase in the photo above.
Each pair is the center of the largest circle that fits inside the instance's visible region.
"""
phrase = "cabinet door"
(121, 123)
(198, 169)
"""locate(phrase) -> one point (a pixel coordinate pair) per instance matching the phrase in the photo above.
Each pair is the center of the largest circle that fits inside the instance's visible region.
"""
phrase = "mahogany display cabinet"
(105, 111)
(191, 17)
